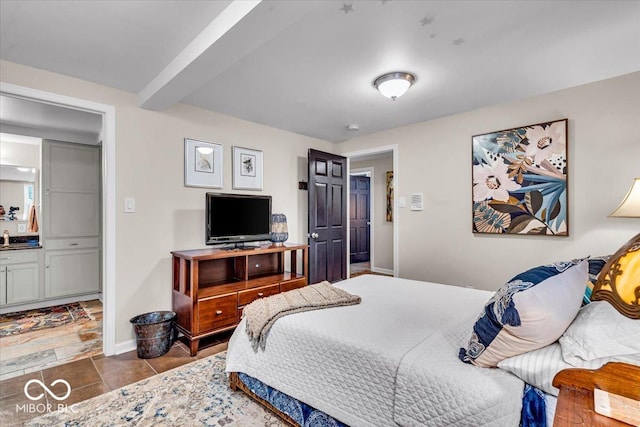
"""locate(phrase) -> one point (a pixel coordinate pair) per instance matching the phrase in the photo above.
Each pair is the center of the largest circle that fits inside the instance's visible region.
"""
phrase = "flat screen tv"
(237, 218)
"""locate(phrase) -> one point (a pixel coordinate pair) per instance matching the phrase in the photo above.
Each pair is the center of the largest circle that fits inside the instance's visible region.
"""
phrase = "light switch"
(402, 202)
(129, 204)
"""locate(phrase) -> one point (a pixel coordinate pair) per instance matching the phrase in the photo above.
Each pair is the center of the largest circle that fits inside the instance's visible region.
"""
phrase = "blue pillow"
(595, 266)
(530, 311)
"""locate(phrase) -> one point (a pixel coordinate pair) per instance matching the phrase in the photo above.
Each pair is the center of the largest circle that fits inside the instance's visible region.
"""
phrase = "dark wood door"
(359, 218)
(327, 217)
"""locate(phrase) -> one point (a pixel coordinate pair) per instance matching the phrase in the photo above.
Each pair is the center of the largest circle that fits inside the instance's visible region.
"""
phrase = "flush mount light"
(393, 85)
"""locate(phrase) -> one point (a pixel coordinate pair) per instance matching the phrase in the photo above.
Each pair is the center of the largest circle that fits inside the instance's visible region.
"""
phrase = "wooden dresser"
(212, 286)
(575, 401)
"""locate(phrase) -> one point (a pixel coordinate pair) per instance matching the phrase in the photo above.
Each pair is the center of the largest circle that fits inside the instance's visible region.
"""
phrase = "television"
(237, 218)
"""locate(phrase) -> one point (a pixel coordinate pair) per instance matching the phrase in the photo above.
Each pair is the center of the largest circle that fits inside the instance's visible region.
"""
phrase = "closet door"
(71, 218)
(71, 190)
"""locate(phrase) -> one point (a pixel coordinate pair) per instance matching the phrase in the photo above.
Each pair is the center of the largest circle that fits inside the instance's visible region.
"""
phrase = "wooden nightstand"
(575, 400)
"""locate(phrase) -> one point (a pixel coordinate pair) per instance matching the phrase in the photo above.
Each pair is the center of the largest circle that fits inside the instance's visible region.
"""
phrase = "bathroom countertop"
(19, 247)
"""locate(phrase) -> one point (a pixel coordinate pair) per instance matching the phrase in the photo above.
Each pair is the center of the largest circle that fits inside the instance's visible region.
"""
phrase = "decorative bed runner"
(262, 313)
(42, 318)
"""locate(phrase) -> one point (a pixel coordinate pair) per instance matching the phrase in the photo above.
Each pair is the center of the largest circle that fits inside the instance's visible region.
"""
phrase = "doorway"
(379, 164)
(108, 203)
(360, 209)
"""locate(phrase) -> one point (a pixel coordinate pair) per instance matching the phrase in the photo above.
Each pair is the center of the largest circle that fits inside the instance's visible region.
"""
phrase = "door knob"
(368, 222)
(314, 235)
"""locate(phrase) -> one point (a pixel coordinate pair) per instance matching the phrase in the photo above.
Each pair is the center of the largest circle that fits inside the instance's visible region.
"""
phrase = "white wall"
(149, 167)
(435, 158)
(19, 154)
(382, 230)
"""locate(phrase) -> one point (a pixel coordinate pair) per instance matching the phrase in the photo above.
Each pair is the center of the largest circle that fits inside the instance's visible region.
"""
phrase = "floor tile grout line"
(93, 362)
(149, 364)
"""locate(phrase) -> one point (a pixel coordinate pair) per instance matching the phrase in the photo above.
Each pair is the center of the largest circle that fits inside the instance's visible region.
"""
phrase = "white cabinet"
(71, 219)
(71, 272)
(71, 181)
(19, 277)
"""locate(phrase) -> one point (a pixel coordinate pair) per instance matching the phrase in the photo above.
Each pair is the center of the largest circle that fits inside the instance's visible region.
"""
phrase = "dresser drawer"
(293, 284)
(245, 297)
(218, 312)
(79, 243)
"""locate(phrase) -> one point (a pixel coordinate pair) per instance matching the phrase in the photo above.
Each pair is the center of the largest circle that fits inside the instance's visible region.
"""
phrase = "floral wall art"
(520, 180)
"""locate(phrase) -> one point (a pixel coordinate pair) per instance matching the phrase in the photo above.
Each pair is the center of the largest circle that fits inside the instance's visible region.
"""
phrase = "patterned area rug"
(196, 394)
(42, 318)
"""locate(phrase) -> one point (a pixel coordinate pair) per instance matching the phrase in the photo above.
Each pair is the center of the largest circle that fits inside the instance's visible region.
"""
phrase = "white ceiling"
(25, 117)
(308, 66)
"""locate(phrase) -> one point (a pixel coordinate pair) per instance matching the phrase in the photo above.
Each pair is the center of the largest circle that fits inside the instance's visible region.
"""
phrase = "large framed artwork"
(247, 169)
(202, 164)
(520, 180)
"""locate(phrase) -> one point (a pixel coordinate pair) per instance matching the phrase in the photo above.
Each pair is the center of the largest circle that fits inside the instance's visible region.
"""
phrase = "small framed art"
(202, 164)
(247, 169)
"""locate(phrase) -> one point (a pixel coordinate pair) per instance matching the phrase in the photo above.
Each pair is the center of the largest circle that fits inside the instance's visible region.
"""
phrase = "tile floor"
(96, 375)
(33, 351)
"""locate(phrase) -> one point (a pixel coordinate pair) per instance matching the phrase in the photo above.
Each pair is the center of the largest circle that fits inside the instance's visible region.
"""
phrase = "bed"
(389, 361)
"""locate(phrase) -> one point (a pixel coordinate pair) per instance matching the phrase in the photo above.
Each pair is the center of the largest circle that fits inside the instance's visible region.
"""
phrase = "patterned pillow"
(530, 311)
(595, 266)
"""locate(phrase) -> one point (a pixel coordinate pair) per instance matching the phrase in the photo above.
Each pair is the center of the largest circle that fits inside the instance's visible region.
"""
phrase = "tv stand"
(212, 286)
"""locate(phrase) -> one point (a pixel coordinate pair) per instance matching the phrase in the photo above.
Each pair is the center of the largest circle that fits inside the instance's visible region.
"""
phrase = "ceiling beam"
(242, 27)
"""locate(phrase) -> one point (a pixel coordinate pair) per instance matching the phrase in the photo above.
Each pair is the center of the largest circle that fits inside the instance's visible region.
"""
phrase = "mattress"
(390, 360)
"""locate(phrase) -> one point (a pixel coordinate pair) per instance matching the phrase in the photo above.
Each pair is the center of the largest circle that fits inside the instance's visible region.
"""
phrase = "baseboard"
(48, 303)
(125, 346)
(382, 271)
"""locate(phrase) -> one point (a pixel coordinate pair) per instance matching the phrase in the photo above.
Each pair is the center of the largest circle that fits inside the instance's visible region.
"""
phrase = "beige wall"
(382, 247)
(434, 157)
(149, 167)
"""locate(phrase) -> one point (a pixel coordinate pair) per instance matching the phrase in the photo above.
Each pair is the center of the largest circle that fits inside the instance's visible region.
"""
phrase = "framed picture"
(520, 180)
(202, 164)
(389, 196)
(247, 169)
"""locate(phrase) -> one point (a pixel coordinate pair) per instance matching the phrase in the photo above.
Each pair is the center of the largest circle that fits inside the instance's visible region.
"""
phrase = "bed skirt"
(297, 414)
(293, 412)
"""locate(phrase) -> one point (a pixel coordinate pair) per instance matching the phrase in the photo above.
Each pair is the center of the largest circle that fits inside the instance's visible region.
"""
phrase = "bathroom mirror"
(18, 191)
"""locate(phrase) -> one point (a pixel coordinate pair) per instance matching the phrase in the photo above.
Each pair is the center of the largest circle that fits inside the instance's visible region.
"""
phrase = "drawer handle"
(73, 244)
(7, 257)
(260, 294)
(218, 312)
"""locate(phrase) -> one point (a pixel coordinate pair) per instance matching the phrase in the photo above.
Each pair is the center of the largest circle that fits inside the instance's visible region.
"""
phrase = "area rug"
(196, 394)
(42, 318)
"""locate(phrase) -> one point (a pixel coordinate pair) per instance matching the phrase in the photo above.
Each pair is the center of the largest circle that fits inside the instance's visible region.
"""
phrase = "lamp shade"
(630, 205)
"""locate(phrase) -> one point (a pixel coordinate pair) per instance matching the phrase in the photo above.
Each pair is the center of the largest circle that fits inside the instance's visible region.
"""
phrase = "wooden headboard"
(619, 280)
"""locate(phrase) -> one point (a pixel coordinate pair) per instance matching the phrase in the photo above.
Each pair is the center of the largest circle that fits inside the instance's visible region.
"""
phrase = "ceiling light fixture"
(394, 85)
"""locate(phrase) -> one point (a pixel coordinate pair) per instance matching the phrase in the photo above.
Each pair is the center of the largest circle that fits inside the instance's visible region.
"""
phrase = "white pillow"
(539, 367)
(599, 331)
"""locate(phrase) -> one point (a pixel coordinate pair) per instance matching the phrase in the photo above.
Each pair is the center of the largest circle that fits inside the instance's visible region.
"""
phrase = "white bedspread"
(390, 360)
